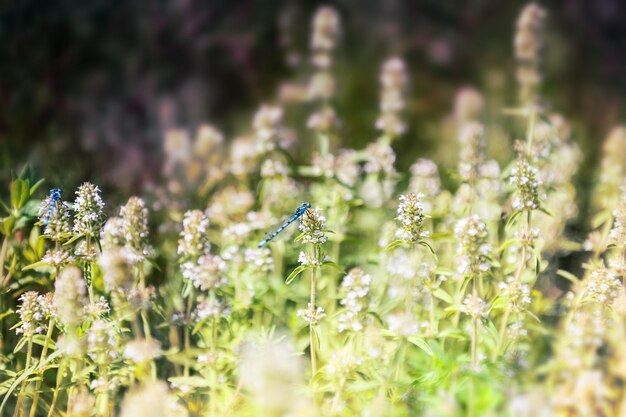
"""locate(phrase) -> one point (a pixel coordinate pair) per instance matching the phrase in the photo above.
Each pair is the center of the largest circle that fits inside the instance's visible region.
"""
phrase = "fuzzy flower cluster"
(70, 296)
(411, 217)
(473, 248)
(193, 240)
(524, 177)
(272, 168)
(326, 28)
(474, 306)
(403, 324)
(116, 272)
(356, 288)
(210, 307)
(35, 313)
(270, 371)
(206, 273)
(380, 158)
(529, 40)
(310, 315)
(617, 235)
(313, 227)
(393, 80)
(259, 259)
(516, 294)
(135, 229)
(472, 155)
(152, 400)
(58, 257)
(267, 124)
(602, 285)
(425, 177)
(102, 342)
(55, 215)
(88, 207)
(468, 105)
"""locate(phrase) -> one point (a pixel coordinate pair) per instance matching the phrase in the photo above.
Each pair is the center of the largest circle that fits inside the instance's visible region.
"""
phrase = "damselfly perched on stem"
(295, 216)
(55, 197)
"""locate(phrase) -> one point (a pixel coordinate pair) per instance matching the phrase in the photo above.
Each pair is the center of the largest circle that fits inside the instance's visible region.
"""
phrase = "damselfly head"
(303, 208)
(56, 193)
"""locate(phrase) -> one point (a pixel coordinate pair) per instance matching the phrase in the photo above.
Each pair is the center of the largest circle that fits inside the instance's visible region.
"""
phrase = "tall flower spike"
(134, 227)
(313, 226)
(528, 43)
(35, 312)
(54, 213)
(411, 217)
(472, 155)
(193, 240)
(88, 207)
(393, 80)
(524, 177)
(70, 296)
(472, 234)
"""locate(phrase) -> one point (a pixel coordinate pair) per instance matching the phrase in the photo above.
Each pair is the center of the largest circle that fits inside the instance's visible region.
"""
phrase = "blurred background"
(88, 88)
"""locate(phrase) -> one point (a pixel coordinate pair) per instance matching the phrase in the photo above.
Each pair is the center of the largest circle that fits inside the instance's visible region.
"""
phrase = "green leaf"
(568, 276)
(421, 343)
(19, 193)
(508, 244)
(296, 272)
(442, 295)
(394, 244)
(192, 381)
(543, 210)
(24, 375)
(333, 265)
(35, 186)
(427, 246)
(511, 220)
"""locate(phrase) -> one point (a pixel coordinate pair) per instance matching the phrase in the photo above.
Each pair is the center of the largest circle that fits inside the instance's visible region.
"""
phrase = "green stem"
(55, 394)
(3, 254)
(186, 335)
(312, 315)
(29, 354)
(44, 352)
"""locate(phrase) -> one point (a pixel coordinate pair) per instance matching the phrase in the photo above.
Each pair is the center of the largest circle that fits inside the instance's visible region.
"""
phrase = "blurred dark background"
(87, 87)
